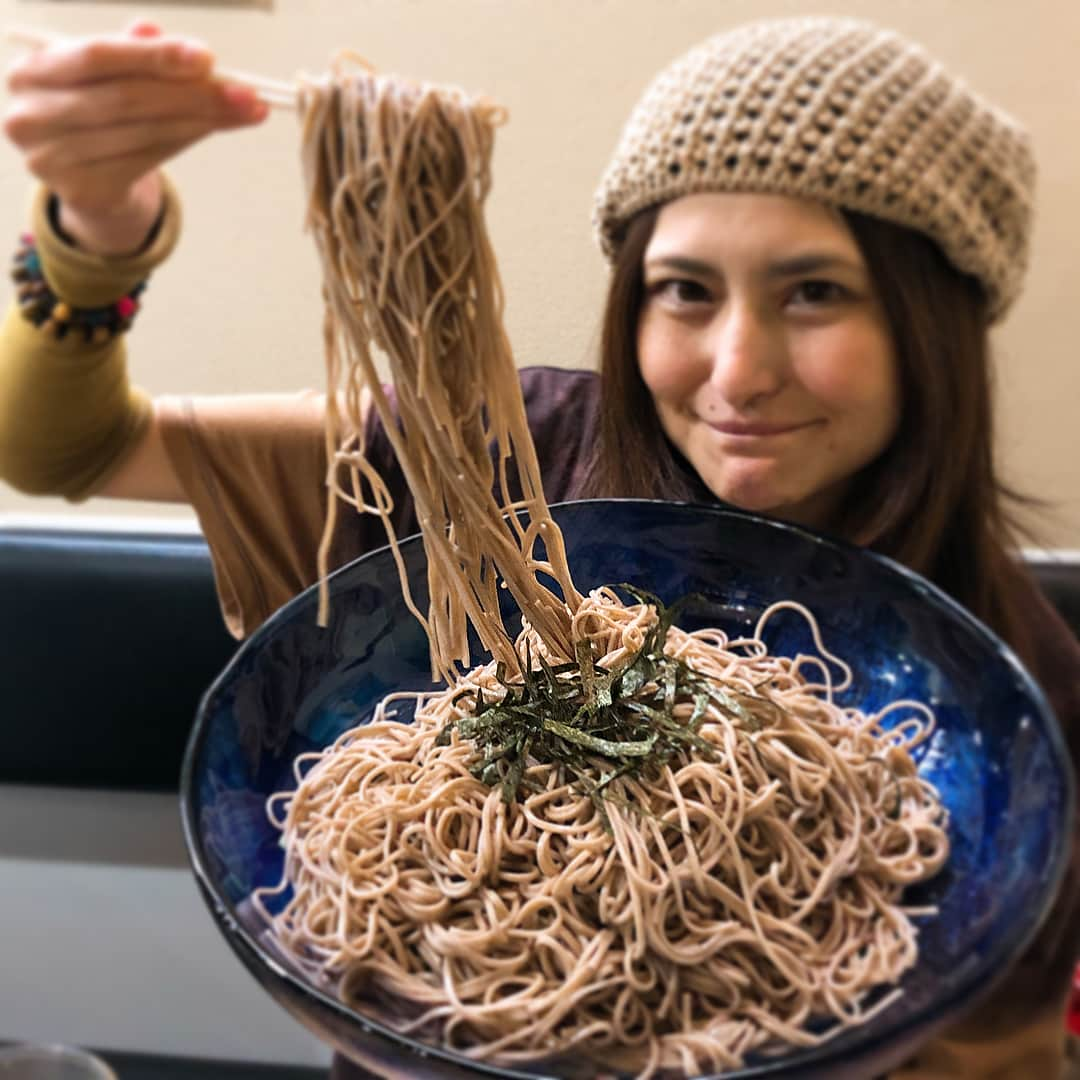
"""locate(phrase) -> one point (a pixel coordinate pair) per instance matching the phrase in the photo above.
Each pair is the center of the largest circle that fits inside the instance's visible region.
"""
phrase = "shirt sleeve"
(253, 467)
(68, 413)
(87, 280)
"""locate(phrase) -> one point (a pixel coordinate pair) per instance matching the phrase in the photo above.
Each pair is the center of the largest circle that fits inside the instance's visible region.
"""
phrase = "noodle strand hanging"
(397, 175)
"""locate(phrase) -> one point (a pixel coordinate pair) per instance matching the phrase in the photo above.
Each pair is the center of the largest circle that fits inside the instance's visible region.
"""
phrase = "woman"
(812, 227)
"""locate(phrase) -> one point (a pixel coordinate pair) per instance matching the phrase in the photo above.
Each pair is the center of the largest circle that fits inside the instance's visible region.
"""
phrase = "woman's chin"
(760, 499)
(747, 493)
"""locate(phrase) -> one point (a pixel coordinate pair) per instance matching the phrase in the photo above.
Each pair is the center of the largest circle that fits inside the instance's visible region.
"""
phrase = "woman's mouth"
(756, 429)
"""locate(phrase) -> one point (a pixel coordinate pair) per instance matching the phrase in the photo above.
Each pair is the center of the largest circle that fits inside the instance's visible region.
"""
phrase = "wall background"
(237, 308)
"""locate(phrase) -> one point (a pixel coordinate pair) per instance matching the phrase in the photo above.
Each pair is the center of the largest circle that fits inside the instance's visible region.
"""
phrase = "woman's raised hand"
(96, 117)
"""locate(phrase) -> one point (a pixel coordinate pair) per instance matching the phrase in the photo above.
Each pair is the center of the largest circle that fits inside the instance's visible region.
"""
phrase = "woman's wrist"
(123, 229)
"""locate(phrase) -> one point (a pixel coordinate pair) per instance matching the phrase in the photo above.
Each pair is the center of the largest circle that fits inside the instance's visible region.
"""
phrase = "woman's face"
(766, 350)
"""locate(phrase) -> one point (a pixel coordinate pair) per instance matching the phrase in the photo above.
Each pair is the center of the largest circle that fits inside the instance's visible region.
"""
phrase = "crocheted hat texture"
(839, 111)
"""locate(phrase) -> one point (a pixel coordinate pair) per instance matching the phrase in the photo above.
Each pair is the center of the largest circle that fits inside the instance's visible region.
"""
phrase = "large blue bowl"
(997, 757)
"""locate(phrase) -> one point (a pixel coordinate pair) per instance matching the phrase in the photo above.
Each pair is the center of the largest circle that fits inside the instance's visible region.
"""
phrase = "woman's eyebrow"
(812, 262)
(682, 263)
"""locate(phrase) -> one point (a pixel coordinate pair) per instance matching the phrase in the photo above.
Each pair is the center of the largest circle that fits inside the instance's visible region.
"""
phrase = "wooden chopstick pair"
(277, 94)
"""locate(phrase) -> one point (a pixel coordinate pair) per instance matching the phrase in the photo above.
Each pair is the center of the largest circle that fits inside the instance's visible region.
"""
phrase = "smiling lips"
(755, 429)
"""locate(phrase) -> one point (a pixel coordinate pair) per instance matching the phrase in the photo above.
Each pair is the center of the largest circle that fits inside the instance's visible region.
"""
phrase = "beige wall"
(237, 307)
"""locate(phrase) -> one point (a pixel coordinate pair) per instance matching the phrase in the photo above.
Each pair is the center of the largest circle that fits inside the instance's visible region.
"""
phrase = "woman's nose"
(747, 357)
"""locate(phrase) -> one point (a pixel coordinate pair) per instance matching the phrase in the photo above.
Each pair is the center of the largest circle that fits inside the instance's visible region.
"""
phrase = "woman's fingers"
(93, 163)
(48, 114)
(80, 150)
(83, 61)
(94, 168)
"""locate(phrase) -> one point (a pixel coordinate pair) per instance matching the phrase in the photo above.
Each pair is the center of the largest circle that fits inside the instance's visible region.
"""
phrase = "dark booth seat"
(109, 640)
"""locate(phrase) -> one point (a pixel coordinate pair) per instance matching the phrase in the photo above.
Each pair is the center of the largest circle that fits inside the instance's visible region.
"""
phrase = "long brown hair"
(933, 499)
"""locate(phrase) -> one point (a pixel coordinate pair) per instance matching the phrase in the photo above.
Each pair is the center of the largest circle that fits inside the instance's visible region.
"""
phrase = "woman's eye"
(681, 291)
(818, 292)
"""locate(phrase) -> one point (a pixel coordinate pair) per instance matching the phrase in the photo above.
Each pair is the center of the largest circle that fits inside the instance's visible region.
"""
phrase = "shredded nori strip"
(599, 724)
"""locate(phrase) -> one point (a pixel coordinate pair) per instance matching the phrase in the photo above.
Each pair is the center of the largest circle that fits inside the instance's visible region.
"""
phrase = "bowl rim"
(824, 1054)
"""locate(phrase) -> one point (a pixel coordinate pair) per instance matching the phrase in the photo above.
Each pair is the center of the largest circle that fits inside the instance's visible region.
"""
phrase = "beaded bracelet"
(41, 306)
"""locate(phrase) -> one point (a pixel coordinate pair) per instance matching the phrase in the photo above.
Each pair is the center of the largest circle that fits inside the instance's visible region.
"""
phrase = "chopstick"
(276, 93)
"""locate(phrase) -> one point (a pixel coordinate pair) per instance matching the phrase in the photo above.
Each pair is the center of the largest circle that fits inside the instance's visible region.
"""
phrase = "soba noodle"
(742, 893)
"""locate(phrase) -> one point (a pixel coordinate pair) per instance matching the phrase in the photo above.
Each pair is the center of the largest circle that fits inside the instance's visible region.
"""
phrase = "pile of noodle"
(747, 898)
(733, 901)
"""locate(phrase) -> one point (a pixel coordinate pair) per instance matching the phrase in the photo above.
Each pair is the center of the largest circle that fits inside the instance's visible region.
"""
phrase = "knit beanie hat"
(838, 111)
